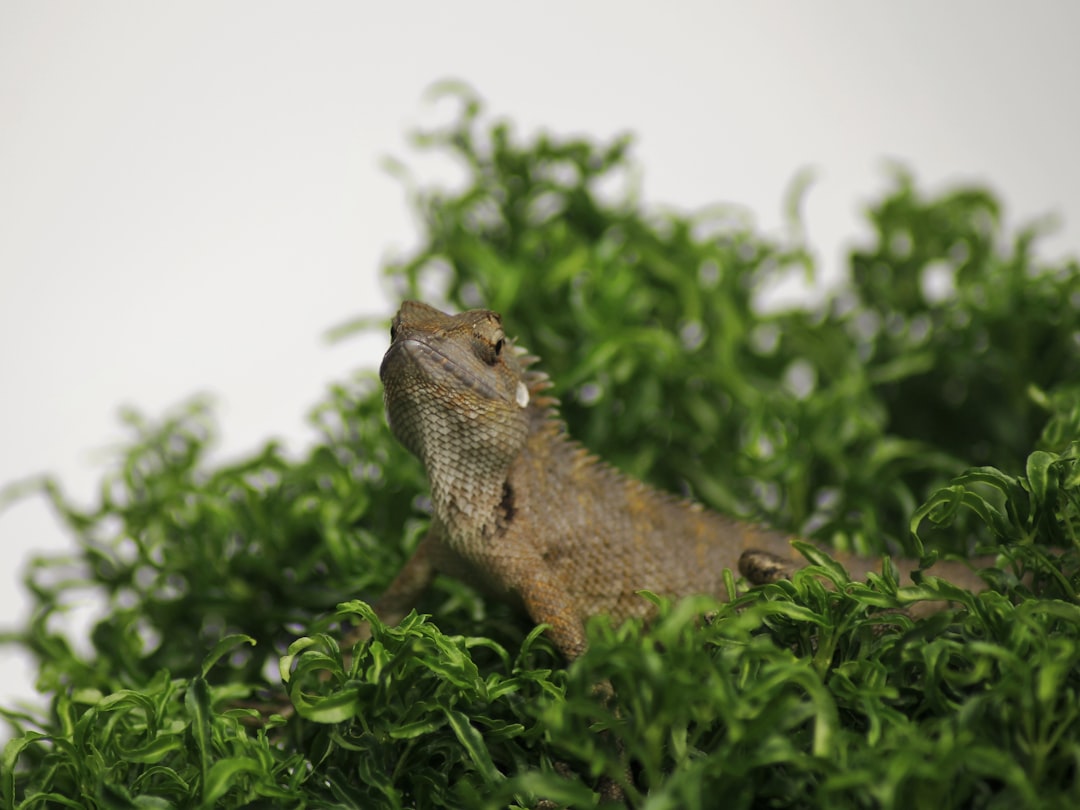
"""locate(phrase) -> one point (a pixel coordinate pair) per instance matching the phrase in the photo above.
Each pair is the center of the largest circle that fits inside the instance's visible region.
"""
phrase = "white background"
(191, 194)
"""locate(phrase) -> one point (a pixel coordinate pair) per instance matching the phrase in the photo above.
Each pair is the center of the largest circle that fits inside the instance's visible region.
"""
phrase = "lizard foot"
(763, 567)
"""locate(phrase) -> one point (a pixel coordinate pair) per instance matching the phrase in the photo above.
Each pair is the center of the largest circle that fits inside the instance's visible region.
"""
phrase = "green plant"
(888, 415)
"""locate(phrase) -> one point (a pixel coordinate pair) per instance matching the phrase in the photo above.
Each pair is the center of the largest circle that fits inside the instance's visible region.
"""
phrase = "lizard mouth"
(444, 369)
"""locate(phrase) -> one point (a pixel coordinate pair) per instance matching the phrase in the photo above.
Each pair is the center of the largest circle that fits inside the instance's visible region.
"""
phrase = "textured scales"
(528, 515)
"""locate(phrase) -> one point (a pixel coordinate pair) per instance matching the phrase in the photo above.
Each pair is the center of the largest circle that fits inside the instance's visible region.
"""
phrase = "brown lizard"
(526, 514)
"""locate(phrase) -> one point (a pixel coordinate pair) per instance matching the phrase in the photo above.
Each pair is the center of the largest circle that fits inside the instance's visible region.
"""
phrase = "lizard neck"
(467, 506)
(468, 465)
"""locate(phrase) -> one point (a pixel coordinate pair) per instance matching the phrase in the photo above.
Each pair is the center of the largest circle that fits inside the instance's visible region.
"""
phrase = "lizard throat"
(467, 419)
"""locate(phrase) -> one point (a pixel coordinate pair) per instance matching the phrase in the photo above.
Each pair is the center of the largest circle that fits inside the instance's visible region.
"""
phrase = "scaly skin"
(528, 515)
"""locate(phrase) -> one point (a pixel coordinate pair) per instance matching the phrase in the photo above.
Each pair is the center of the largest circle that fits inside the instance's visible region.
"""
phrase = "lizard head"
(455, 390)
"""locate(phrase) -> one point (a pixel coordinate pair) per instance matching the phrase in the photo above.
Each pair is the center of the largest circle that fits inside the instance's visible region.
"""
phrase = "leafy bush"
(932, 396)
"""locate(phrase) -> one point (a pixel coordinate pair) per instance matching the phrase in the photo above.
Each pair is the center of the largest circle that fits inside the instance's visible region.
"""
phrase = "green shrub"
(932, 396)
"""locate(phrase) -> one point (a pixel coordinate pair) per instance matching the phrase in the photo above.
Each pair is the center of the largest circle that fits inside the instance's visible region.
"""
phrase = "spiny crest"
(535, 380)
(538, 381)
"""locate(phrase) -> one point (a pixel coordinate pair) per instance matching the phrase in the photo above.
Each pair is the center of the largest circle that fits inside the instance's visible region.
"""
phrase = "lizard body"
(528, 515)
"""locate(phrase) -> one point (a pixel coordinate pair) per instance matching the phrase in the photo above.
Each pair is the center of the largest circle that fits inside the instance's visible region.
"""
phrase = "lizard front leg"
(547, 601)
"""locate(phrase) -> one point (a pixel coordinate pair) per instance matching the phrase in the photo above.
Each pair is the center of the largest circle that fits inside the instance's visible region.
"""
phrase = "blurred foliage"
(835, 418)
(932, 395)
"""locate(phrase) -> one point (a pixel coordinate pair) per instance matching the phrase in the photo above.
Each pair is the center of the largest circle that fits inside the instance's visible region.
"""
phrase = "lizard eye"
(489, 339)
(488, 348)
(393, 332)
(489, 352)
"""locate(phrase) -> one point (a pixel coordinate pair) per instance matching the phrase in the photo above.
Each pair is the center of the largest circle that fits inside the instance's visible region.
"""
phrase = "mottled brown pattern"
(526, 514)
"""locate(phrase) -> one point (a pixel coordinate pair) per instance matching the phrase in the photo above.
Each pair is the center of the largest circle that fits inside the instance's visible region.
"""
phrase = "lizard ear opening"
(522, 394)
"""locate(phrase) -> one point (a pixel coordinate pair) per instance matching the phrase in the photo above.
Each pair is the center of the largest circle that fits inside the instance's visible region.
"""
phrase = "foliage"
(941, 373)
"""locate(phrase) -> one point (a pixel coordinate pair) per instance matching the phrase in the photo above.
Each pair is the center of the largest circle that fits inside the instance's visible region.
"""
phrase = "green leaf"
(197, 702)
(473, 742)
(336, 708)
(224, 775)
(155, 750)
(8, 759)
(1039, 466)
(222, 648)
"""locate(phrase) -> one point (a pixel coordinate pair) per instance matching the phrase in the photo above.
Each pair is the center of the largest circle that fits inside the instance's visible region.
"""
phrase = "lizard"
(527, 514)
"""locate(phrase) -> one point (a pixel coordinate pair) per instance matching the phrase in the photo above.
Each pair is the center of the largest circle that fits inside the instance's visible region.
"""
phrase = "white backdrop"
(191, 194)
